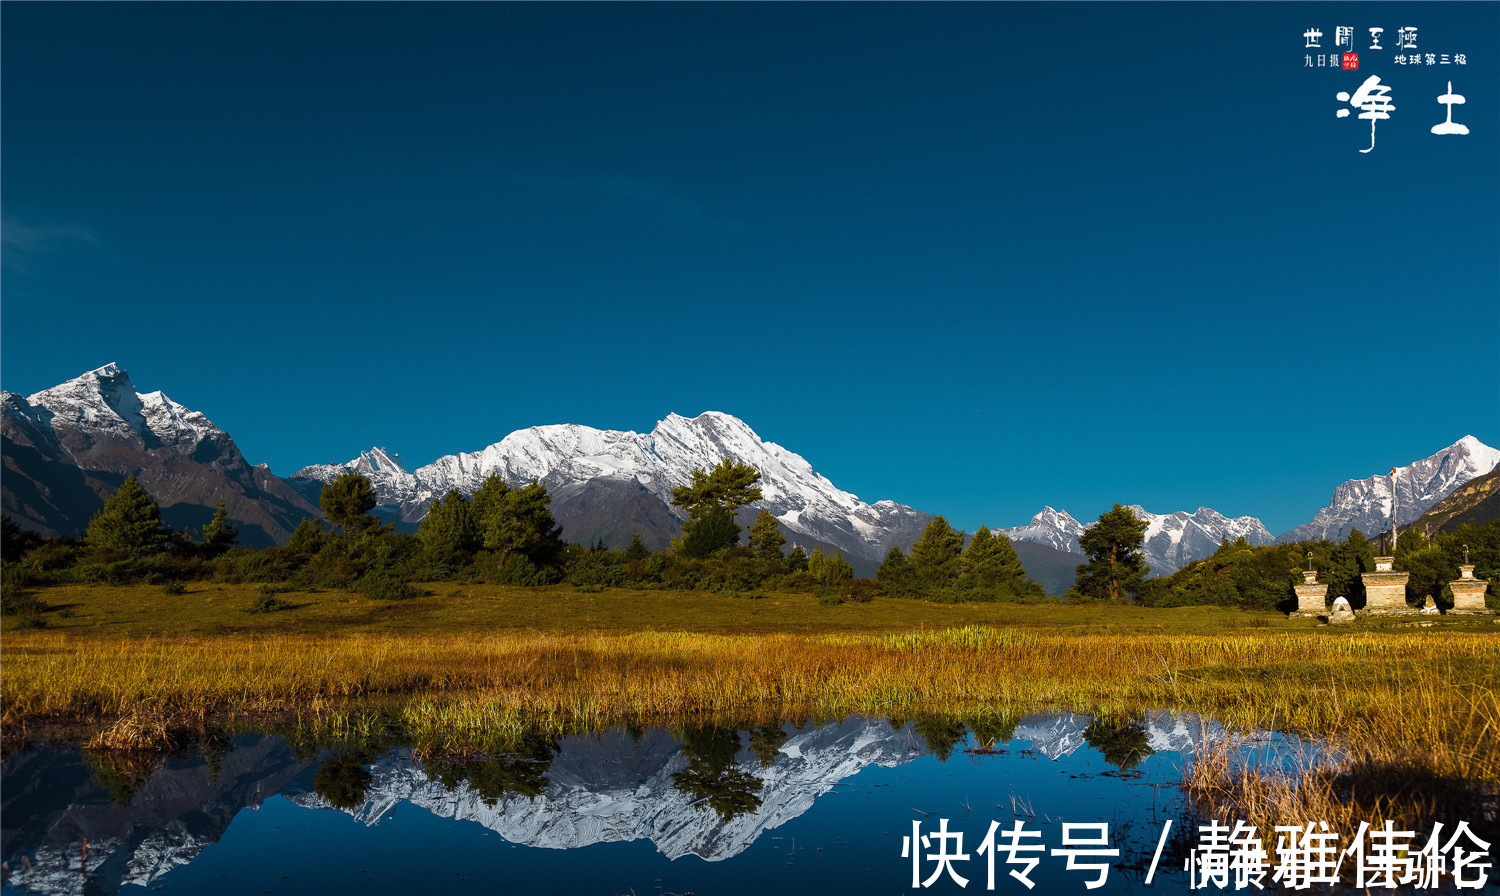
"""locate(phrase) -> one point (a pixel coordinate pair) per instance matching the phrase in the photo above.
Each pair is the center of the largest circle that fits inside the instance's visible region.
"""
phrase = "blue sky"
(975, 258)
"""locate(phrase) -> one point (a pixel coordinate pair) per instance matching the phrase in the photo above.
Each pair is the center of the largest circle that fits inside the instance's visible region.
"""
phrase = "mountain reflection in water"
(714, 793)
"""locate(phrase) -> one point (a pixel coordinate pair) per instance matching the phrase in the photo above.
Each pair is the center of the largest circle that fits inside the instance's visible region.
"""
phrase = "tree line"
(504, 534)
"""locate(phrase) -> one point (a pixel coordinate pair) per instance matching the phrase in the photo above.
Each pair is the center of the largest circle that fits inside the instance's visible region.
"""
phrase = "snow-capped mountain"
(1053, 528)
(70, 446)
(1365, 504)
(100, 412)
(559, 456)
(1172, 540)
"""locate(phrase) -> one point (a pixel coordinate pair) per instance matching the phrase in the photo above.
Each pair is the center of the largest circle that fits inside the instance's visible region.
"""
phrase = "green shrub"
(266, 601)
(17, 598)
(381, 585)
(514, 569)
(173, 588)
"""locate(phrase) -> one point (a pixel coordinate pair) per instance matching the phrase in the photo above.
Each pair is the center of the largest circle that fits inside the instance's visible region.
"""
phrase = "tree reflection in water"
(1123, 740)
(711, 777)
(343, 780)
(523, 771)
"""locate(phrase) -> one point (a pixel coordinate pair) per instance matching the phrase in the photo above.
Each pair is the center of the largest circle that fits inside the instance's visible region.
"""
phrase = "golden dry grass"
(1429, 690)
(472, 671)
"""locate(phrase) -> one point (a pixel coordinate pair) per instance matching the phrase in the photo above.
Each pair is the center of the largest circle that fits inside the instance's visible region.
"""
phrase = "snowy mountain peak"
(104, 402)
(1053, 528)
(561, 455)
(1174, 540)
(378, 461)
(98, 422)
(102, 399)
(1171, 541)
(1365, 504)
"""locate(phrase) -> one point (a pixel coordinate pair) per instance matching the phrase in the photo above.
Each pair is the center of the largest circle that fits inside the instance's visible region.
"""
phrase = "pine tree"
(796, 561)
(713, 531)
(829, 571)
(934, 557)
(990, 569)
(518, 521)
(766, 538)
(129, 522)
(1117, 565)
(449, 530)
(637, 549)
(1356, 555)
(346, 501)
(894, 574)
(729, 486)
(307, 539)
(220, 534)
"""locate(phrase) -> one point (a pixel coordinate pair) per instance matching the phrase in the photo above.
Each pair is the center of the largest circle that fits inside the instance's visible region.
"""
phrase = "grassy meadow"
(468, 669)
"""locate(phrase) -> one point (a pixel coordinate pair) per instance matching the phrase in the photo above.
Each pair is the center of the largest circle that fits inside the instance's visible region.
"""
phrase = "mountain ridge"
(69, 447)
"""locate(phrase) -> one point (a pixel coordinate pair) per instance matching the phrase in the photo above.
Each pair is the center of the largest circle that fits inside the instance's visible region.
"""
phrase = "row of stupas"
(1385, 593)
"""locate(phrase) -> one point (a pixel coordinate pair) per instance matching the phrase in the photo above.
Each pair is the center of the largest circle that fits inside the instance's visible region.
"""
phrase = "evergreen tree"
(727, 487)
(796, 561)
(129, 522)
(346, 501)
(894, 574)
(730, 485)
(637, 549)
(765, 536)
(1116, 564)
(1356, 555)
(713, 531)
(307, 539)
(15, 543)
(449, 530)
(830, 571)
(935, 556)
(518, 521)
(990, 569)
(220, 534)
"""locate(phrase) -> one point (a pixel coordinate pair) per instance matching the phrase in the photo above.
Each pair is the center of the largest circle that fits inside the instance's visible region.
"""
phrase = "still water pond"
(812, 809)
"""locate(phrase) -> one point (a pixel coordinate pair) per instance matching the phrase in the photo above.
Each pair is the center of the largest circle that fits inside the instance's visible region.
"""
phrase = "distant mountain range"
(1177, 539)
(608, 484)
(1172, 540)
(69, 447)
(1365, 504)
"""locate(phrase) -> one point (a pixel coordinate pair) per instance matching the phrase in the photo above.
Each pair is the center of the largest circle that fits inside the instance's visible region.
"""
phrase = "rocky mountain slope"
(1365, 504)
(1476, 502)
(69, 447)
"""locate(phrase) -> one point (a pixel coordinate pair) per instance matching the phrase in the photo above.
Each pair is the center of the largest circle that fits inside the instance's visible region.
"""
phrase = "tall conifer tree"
(129, 522)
